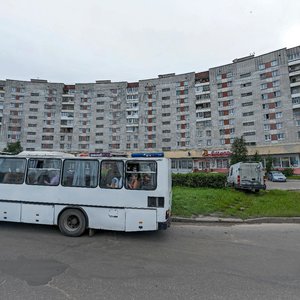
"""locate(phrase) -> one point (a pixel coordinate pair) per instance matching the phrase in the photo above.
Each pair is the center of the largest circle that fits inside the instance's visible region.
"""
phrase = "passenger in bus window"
(68, 175)
(42, 179)
(31, 177)
(114, 183)
(134, 182)
(112, 177)
(53, 179)
(147, 182)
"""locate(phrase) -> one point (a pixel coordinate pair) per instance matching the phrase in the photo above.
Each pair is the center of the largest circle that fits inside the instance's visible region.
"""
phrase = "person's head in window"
(146, 179)
(134, 182)
(147, 182)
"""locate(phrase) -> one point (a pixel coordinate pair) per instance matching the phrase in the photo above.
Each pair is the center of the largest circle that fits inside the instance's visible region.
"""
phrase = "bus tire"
(72, 222)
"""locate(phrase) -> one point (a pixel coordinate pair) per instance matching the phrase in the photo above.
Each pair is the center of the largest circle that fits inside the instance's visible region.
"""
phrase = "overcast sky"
(74, 41)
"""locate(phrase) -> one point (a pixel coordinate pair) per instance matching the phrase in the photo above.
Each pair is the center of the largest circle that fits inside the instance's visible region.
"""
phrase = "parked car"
(247, 176)
(276, 176)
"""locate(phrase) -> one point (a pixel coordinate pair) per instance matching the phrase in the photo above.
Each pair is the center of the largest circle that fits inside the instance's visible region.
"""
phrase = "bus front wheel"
(72, 222)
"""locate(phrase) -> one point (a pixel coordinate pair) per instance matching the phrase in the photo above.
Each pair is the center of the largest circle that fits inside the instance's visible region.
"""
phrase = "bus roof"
(45, 153)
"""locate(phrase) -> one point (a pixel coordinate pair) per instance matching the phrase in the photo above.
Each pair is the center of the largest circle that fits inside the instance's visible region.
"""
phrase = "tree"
(256, 157)
(239, 151)
(269, 163)
(13, 148)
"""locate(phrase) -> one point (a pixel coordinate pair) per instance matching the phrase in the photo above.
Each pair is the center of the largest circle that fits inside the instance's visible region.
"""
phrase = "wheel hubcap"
(72, 223)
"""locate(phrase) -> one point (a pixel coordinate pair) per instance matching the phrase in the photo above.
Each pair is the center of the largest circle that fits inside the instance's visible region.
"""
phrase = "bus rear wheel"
(72, 222)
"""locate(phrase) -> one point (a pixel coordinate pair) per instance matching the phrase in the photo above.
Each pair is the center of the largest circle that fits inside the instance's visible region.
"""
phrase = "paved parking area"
(185, 262)
(289, 185)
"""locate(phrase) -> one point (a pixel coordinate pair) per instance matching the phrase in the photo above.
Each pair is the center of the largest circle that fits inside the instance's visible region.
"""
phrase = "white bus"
(122, 194)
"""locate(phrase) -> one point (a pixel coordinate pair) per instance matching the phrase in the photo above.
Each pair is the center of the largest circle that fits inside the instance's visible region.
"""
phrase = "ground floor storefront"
(283, 156)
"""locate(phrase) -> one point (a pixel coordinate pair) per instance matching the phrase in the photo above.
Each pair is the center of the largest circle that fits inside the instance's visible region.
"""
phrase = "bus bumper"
(164, 225)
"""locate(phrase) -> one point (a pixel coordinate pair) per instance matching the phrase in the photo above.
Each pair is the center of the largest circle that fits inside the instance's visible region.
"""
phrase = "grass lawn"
(231, 203)
(294, 177)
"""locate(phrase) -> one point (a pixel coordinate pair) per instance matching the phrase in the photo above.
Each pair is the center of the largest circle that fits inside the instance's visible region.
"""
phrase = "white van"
(248, 176)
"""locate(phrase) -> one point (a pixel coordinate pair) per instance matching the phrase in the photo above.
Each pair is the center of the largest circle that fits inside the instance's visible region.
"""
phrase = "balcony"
(132, 108)
(294, 62)
(69, 94)
(66, 116)
(69, 100)
(206, 100)
(296, 115)
(67, 108)
(203, 109)
(296, 105)
(295, 95)
(296, 83)
(66, 124)
(203, 118)
(132, 100)
(132, 116)
(294, 70)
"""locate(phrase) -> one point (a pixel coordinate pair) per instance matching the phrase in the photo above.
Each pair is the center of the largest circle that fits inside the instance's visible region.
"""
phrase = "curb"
(233, 221)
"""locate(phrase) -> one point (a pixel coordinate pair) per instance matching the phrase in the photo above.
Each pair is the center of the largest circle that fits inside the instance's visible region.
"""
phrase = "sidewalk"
(232, 221)
(289, 185)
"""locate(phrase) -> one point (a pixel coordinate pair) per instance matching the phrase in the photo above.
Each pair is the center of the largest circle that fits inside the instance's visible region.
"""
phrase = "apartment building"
(193, 117)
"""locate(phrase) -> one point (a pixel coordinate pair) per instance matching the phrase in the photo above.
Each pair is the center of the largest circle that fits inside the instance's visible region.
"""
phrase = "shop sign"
(216, 153)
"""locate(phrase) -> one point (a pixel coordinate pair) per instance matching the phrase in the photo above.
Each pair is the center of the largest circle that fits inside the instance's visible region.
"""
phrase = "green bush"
(288, 172)
(212, 180)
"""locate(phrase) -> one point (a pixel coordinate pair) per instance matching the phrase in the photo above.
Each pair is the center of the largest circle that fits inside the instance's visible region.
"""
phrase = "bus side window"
(12, 170)
(80, 173)
(111, 175)
(141, 175)
(43, 171)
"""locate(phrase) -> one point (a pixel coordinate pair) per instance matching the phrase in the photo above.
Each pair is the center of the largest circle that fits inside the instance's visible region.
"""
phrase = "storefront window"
(225, 163)
(276, 162)
(219, 163)
(294, 161)
(285, 162)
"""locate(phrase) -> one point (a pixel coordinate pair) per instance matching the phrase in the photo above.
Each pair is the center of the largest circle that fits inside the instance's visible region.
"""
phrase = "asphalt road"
(290, 184)
(184, 262)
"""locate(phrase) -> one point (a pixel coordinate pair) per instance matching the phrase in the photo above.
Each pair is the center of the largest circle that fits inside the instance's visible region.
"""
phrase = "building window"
(208, 132)
(248, 124)
(249, 133)
(247, 104)
(245, 75)
(267, 127)
(246, 114)
(267, 137)
(246, 94)
(47, 146)
(243, 85)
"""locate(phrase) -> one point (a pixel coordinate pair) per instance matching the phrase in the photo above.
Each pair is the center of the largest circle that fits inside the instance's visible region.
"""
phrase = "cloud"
(73, 41)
